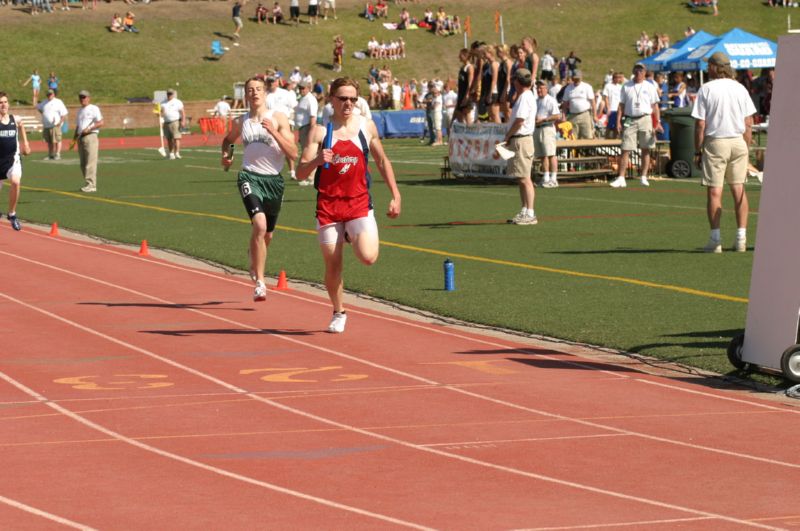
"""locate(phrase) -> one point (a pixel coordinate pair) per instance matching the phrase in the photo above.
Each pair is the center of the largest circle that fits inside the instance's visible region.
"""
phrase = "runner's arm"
(312, 156)
(282, 134)
(230, 138)
(26, 148)
(386, 170)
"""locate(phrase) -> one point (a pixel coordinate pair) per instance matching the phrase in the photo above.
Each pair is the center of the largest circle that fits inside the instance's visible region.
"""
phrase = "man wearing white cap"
(638, 109)
(723, 114)
(53, 113)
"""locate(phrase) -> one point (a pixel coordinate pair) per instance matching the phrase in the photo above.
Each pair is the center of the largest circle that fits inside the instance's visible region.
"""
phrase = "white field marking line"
(49, 516)
(323, 420)
(531, 439)
(179, 458)
(367, 433)
(618, 524)
(703, 393)
(203, 167)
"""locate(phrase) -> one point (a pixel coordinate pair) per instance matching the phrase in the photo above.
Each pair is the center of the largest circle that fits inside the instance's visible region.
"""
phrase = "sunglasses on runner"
(345, 98)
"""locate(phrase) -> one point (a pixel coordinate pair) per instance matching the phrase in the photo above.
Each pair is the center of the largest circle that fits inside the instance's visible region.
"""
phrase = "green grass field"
(617, 268)
(175, 39)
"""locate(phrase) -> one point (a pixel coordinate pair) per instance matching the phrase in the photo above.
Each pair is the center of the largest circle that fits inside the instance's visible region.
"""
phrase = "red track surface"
(142, 394)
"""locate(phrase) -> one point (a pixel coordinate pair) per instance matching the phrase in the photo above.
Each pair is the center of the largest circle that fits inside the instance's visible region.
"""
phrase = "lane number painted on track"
(287, 375)
(115, 382)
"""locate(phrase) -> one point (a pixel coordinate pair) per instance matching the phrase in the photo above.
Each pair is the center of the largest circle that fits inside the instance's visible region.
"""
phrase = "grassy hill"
(175, 38)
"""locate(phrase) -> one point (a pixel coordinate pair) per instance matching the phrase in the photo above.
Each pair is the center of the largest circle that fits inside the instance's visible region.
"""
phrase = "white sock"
(546, 176)
(12, 214)
(553, 176)
(741, 234)
(529, 212)
(715, 235)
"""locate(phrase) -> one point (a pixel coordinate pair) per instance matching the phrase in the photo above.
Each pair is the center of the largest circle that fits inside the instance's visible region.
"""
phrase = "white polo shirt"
(579, 97)
(546, 107)
(87, 116)
(171, 110)
(306, 108)
(723, 104)
(524, 108)
(53, 112)
(612, 92)
(638, 98)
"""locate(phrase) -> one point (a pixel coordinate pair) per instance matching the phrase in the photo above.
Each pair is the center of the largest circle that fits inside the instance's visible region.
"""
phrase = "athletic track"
(138, 393)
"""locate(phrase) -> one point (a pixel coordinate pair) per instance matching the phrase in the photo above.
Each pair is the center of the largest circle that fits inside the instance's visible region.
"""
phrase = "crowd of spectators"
(394, 49)
(439, 23)
(37, 7)
(647, 46)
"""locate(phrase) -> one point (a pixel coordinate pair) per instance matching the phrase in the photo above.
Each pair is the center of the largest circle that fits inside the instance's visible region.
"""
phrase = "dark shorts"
(312, 11)
(261, 194)
(547, 75)
(294, 12)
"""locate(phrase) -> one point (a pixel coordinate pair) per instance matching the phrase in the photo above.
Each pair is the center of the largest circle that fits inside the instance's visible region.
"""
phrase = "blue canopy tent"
(657, 62)
(744, 49)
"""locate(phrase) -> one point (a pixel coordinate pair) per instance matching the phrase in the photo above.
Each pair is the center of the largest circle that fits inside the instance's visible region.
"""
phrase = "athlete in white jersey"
(268, 142)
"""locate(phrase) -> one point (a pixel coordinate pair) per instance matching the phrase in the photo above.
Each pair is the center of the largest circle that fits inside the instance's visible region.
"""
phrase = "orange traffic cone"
(283, 285)
(143, 250)
(54, 229)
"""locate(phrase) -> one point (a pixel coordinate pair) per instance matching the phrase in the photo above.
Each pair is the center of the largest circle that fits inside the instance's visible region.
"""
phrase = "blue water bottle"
(449, 275)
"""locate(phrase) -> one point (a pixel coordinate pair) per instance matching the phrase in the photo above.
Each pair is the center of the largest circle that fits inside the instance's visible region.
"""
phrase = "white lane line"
(618, 524)
(531, 439)
(44, 514)
(323, 420)
(185, 460)
(407, 323)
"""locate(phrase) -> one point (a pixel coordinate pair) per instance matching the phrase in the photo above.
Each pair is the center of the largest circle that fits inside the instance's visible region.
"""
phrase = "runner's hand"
(325, 156)
(394, 208)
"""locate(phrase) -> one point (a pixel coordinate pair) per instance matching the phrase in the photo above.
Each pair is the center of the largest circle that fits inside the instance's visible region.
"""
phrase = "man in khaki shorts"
(174, 119)
(519, 139)
(580, 106)
(544, 136)
(723, 114)
(638, 109)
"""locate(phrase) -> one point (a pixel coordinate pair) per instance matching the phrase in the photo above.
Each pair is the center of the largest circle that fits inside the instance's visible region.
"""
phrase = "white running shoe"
(517, 217)
(741, 245)
(619, 182)
(713, 246)
(171, 156)
(337, 323)
(527, 220)
(644, 181)
(548, 184)
(260, 293)
(177, 155)
(306, 182)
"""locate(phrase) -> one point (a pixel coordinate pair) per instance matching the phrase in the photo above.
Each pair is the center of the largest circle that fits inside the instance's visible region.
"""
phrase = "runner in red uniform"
(344, 204)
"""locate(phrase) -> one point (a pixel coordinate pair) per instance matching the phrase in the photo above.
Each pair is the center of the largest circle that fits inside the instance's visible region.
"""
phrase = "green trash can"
(681, 143)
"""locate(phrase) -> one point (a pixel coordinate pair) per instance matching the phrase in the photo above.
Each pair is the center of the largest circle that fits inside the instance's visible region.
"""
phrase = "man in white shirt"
(580, 106)
(519, 139)
(281, 100)
(296, 77)
(611, 94)
(222, 108)
(450, 101)
(174, 120)
(723, 113)
(544, 135)
(53, 113)
(87, 126)
(305, 118)
(638, 106)
(548, 62)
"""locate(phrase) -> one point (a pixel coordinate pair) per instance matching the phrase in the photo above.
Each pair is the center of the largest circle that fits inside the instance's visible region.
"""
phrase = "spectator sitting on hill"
(277, 14)
(261, 13)
(116, 24)
(405, 19)
(455, 25)
(129, 21)
(440, 19)
(644, 46)
(369, 11)
(373, 48)
(382, 9)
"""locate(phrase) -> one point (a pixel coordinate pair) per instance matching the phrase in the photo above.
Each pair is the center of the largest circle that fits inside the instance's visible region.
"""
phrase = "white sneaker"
(260, 293)
(527, 220)
(644, 181)
(306, 182)
(619, 182)
(741, 245)
(337, 323)
(554, 183)
(177, 155)
(88, 189)
(517, 217)
(548, 184)
(713, 246)
(171, 156)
